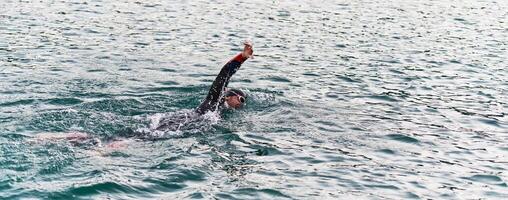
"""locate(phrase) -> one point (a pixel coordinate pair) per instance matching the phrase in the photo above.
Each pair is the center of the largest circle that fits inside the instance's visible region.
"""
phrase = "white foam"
(185, 121)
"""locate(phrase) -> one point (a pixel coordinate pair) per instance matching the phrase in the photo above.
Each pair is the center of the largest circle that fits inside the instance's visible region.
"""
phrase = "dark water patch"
(162, 40)
(103, 57)
(340, 45)
(64, 101)
(114, 154)
(385, 18)
(166, 164)
(490, 122)
(13, 92)
(18, 103)
(448, 162)
(411, 78)
(265, 151)
(169, 83)
(259, 36)
(389, 61)
(335, 158)
(328, 126)
(199, 65)
(490, 96)
(276, 79)
(283, 13)
(96, 70)
(332, 95)
(163, 185)
(196, 195)
(403, 138)
(186, 175)
(245, 80)
(6, 119)
(98, 188)
(200, 75)
(310, 160)
(5, 185)
(379, 97)
(382, 186)
(347, 78)
(57, 69)
(260, 137)
(308, 59)
(397, 71)
(88, 11)
(167, 70)
(65, 61)
(411, 195)
(387, 151)
(463, 21)
(487, 179)
(141, 44)
(208, 80)
(13, 136)
(92, 31)
(311, 74)
(455, 61)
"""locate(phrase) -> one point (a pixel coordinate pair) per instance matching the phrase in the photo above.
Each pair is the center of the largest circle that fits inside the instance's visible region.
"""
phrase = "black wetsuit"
(214, 99)
(186, 120)
(215, 96)
(177, 121)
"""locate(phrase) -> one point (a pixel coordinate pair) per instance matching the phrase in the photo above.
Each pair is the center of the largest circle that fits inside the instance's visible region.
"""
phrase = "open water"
(368, 99)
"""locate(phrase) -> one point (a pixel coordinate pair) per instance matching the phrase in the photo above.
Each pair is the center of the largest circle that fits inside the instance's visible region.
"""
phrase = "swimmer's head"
(235, 98)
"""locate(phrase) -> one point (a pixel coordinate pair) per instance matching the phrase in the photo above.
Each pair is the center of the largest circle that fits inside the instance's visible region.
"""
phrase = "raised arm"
(216, 91)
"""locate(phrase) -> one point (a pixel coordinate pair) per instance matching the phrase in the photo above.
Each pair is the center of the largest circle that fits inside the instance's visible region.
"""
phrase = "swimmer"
(219, 95)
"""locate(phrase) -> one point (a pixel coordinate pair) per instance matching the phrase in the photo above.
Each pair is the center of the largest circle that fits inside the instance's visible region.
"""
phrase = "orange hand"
(247, 50)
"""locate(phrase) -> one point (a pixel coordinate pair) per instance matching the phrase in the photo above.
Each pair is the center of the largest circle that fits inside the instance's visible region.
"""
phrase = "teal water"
(347, 99)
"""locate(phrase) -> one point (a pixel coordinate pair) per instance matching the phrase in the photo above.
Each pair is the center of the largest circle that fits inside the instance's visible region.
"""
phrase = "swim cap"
(234, 92)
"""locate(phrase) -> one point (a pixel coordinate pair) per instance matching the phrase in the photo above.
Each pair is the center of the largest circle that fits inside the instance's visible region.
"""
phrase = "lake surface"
(347, 99)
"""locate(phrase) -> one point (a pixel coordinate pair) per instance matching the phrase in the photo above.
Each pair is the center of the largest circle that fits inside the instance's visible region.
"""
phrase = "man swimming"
(218, 97)
(219, 94)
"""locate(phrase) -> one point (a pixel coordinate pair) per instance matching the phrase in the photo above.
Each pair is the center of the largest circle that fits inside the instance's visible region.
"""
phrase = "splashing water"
(347, 100)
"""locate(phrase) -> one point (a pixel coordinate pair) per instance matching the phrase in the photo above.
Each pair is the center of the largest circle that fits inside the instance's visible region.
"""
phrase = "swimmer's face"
(235, 101)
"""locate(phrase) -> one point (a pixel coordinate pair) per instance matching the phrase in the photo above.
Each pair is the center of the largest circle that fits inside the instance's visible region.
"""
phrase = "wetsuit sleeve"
(216, 91)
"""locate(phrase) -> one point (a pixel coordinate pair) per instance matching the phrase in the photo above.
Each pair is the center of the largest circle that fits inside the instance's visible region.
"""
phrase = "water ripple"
(365, 99)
